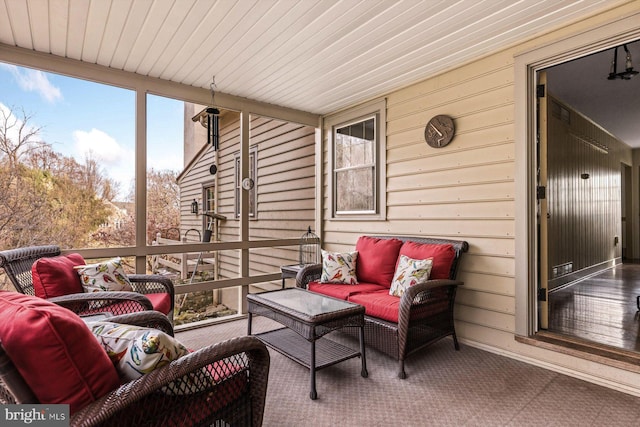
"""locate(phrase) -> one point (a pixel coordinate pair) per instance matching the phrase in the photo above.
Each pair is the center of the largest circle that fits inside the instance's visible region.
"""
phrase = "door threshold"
(595, 352)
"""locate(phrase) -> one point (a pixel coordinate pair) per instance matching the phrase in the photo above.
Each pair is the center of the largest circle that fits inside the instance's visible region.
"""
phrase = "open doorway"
(588, 141)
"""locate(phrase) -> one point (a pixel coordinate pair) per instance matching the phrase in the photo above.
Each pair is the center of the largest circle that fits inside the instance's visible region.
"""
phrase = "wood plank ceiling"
(312, 55)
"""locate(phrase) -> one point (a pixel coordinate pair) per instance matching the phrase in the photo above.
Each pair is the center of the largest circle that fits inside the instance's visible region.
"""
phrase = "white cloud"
(34, 81)
(100, 146)
(117, 161)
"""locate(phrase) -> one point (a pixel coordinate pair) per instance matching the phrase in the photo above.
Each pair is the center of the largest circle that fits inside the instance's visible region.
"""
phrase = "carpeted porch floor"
(471, 387)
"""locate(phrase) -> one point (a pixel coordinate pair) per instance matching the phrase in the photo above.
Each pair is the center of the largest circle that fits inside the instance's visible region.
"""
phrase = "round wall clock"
(439, 131)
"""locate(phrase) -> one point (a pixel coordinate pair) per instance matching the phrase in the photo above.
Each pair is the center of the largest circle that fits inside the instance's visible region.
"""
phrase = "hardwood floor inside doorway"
(601, 309)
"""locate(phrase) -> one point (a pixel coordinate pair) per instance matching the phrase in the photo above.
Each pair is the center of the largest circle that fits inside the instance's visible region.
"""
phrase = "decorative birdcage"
(309, 248)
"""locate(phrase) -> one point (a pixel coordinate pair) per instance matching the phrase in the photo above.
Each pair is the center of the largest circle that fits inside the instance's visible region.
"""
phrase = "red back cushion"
(160, 301)
(377, 259)
(443, 256)
(55, 276)
(54, 351)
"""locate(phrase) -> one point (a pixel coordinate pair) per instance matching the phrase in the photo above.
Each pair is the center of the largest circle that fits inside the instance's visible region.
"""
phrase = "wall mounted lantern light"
(194, 207)
(628, 72)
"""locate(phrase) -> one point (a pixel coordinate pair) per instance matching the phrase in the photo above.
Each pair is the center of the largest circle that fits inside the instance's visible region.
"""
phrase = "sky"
(81, 118)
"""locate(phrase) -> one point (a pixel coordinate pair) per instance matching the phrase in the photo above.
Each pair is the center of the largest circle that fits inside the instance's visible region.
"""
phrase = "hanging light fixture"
(628, 72)
(213, 120)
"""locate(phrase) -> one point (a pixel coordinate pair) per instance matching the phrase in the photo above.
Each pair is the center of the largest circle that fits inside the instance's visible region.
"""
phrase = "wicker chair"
(235, 397)
(17, 265)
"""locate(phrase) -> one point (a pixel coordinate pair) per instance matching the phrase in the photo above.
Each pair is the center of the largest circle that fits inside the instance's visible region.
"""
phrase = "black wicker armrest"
(415, 291)
(99, 302)
(151, 283)
(247, 355)
(418, 295)
(309, 273)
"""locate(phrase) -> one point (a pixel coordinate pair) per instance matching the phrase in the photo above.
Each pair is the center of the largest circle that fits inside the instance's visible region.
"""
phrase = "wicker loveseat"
(399, 326)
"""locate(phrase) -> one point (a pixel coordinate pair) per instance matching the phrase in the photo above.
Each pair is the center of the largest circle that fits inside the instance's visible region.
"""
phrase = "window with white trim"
(357, 156)
(209, 205)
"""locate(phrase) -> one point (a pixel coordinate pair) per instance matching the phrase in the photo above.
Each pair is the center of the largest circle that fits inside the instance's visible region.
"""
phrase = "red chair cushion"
(384, 306)
(55, 276)
(54, 351)
(343, 291)
(378, 304)
(442, 254)
(377, 260)
(161, 302)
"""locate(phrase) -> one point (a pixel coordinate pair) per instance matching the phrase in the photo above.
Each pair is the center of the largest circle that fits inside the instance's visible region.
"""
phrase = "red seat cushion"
(55, 276)
(54, 351)
(343, 291)
(378, 304)
(377, 260)
(442, 254)
(161, 302)
(384, 306)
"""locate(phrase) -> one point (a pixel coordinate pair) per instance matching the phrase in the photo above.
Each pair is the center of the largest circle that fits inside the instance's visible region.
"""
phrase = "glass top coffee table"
(307, 317)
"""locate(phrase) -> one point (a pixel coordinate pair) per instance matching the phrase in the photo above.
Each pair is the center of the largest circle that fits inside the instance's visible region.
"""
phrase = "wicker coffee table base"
(314, 355)
(302, 341)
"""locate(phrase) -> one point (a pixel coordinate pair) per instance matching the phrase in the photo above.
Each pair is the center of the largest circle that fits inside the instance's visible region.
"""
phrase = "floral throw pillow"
(135, 350)
(410, 272)
(339, 267)
(104, 276)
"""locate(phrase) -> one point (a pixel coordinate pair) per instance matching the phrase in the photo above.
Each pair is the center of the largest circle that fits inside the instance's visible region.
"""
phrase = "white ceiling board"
(5, 23)
(249, 60)
(131, 32)
(58, 26)
(76, 26)
(313, 55)
(199, 23)
(165, 54)
(95, 31)
(18, 13)
(112, 33)
(220, 43)
(168, 20)
(264, 63)
(39, 13)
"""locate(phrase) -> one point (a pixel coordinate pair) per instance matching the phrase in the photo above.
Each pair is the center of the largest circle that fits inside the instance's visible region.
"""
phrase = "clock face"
(439, 131)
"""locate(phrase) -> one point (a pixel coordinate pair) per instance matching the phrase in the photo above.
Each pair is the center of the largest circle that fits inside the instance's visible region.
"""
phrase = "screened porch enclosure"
(183, 211)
